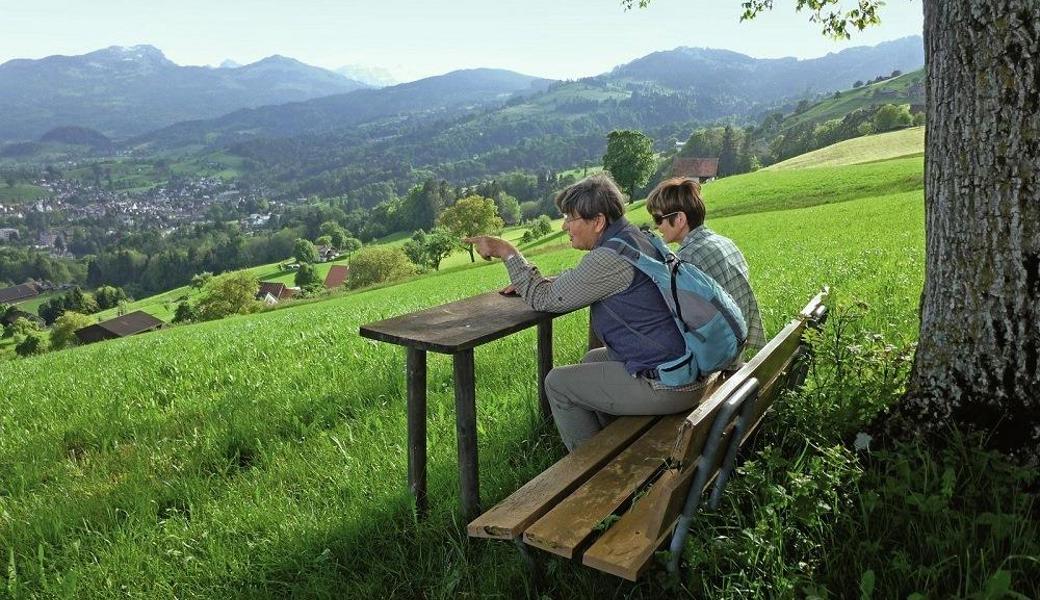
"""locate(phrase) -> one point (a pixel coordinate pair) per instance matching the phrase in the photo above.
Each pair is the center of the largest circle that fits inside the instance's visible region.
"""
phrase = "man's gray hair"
(591, 196)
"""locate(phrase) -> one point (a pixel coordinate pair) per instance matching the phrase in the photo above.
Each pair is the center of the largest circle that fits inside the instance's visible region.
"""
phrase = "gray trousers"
(586, 397)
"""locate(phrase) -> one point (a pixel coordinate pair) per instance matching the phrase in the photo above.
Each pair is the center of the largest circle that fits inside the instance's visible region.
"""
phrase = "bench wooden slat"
(574, 520)
(508, 518)
(626, 549)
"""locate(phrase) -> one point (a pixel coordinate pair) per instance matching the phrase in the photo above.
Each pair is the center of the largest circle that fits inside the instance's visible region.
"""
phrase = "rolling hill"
(870, 148)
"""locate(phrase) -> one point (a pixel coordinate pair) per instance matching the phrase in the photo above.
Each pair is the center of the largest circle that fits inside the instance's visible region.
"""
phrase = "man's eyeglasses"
(658, 219)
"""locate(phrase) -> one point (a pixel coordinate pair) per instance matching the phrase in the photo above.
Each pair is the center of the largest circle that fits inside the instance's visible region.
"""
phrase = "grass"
(21, 193)
(157, 479)
(264, 455)
(33, 304)
(870, 148)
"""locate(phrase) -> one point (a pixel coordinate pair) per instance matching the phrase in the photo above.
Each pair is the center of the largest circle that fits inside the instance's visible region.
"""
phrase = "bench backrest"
(626, 548)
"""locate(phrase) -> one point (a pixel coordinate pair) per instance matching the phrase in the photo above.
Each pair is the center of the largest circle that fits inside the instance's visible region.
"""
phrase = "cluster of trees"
(78, 301)
(536, 229)
(30, 339)
(22, 264)
(469, 216)
(860, 83)
(221, 296)
(734, 147)
(378, 264)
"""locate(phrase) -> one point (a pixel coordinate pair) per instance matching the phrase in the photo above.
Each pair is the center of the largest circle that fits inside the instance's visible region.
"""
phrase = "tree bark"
(976, 365)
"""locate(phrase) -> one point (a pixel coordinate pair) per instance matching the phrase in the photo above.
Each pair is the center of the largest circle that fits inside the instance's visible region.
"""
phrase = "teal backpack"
(707, 317)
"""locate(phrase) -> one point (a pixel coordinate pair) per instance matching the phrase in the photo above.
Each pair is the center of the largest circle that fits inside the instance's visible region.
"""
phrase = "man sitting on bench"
(621, 378)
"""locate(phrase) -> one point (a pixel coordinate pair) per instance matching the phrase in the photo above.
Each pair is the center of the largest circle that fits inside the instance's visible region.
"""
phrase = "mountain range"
(122, 92)
(126, 92)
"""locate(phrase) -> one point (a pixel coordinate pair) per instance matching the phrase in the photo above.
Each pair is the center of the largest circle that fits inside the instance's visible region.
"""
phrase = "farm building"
(337, 276)
(124, 326)
(701, 169)
(18, 293)
(271, 292)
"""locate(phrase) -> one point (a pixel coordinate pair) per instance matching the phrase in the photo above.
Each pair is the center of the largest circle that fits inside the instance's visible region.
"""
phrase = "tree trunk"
(977, 358)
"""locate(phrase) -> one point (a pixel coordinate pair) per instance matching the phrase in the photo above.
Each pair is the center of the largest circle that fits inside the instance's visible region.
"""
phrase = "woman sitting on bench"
(621, 378)
(678, 210)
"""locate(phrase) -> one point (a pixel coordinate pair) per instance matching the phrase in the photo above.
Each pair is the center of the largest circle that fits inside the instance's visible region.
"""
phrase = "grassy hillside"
(264, 456)
(20, 193)
(253, 451)
(896, 90)
(870, 148)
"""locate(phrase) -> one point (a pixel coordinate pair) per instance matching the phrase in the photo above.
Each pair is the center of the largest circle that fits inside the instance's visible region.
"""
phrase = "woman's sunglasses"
(658, 219)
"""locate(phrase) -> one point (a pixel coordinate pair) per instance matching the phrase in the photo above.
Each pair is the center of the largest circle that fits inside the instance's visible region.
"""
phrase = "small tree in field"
(350, 245)
(304, 251)
(108, 296)
(20, 328)
(427, 250)
(307, 275)
(473, 215)
(630, 159)
(31, 344)
(63, 334)
(185, 313)
(378, 264)
(199, 281)
(891, 116)
(233, 293)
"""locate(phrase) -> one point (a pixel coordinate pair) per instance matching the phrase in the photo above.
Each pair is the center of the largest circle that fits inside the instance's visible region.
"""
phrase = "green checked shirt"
(719, 257)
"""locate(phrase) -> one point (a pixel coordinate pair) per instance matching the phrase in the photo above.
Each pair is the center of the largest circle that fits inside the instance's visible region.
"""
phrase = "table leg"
(416, 368)
(545, 363)
(466, 428)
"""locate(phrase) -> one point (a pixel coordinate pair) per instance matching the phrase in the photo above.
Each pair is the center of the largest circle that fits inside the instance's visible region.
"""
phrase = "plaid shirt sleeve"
(719, 257)
(599, 274)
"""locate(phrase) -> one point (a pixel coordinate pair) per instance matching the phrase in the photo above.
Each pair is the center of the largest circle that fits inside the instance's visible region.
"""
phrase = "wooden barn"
(701, 169)
(124, 326)
(18, 293)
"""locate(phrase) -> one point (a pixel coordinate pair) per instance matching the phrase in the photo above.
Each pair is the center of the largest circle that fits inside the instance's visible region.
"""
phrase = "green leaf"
(998, 585)
(866, 585)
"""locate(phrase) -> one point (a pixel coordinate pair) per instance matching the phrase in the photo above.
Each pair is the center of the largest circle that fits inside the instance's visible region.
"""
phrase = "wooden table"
(456, 328)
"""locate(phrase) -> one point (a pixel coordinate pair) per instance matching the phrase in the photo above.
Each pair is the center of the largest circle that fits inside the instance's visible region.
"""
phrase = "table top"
(459, 325)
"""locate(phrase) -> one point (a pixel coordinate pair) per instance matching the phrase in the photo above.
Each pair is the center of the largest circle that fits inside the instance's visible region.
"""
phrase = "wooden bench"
(619, 497)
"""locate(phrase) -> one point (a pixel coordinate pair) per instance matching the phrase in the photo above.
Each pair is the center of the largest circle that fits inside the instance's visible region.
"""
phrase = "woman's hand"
(489, 247)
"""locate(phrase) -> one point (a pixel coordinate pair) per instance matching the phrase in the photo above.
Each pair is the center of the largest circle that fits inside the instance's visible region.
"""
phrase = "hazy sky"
(418, 38)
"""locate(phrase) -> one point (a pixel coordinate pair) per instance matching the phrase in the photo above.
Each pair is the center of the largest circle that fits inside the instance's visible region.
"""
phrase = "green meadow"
(868, 148)
(264, 455)
(21, 193)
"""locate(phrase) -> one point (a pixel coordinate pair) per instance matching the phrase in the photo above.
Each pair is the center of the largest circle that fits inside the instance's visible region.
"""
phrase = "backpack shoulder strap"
(624, 249)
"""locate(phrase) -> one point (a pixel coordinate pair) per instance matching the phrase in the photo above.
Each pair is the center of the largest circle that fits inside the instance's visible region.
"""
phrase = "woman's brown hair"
(678, 194)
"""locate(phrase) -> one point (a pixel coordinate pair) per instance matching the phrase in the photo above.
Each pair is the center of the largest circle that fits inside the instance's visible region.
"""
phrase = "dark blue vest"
(642, 308)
